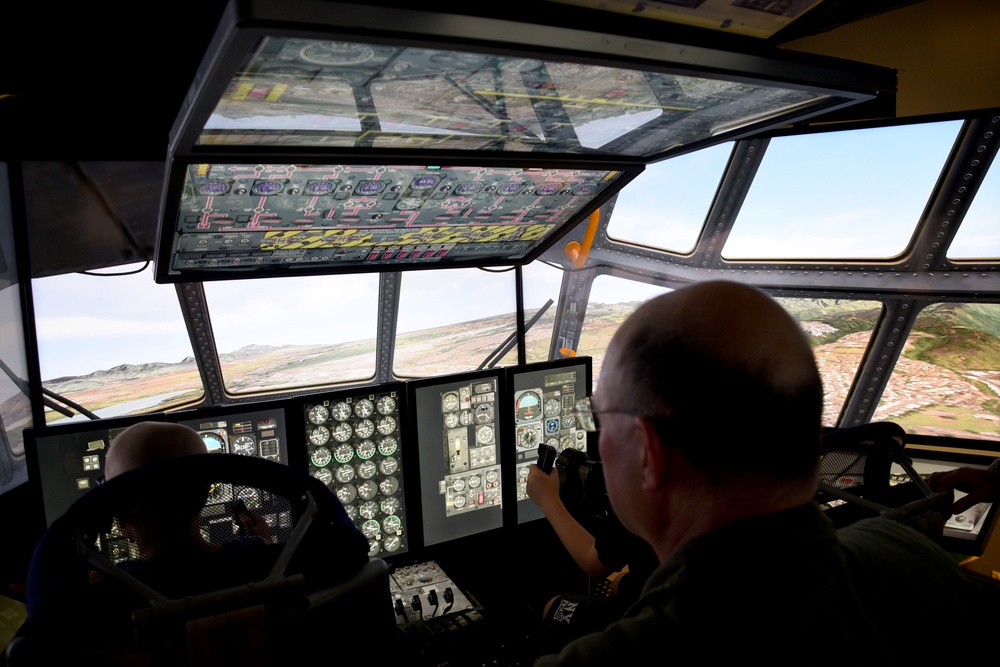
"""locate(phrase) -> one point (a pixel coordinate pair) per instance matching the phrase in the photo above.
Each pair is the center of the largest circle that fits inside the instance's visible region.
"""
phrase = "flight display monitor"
(459, 441)
(259, 220)
(248, 430)
(541, 401)
(67, 460)
(355, 448)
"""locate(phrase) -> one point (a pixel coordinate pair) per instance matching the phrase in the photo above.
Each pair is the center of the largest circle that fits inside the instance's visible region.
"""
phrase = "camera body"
(581, 486)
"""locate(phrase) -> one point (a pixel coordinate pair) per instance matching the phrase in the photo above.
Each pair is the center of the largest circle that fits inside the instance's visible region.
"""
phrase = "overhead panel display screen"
(241, 218)
(355, 449)
(294, 92)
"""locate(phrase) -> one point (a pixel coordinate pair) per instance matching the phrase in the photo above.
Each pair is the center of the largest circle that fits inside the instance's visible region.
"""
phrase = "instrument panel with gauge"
(354, 446)
(542, 408)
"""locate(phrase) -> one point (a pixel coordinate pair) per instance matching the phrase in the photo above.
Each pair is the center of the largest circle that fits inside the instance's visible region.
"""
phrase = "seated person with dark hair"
(708, 408)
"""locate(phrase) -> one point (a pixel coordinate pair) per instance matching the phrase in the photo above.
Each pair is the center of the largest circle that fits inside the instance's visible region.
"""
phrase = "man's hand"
(980, 485)
(543, 488)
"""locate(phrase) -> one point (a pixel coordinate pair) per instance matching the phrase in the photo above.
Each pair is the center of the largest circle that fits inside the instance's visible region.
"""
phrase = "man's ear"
(655, 457)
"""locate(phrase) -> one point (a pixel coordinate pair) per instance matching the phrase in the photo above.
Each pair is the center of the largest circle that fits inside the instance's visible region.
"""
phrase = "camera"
(581, 485)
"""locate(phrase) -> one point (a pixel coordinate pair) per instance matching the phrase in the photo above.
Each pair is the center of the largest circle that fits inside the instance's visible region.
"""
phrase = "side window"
(612, 300)
(115, 344)
(839, 331)
(947, 381)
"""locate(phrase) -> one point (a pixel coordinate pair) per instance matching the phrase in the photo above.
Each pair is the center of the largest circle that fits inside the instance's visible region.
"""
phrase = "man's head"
(146, 442)
(723, 377)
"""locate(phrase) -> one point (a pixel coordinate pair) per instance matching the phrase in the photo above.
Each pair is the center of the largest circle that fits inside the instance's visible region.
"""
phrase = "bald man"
(708, 410)
(146, 442)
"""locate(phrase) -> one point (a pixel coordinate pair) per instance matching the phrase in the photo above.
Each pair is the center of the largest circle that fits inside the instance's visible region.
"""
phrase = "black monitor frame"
(54, 482)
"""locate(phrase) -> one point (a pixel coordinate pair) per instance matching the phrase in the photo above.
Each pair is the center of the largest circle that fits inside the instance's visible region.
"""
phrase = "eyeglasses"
(586, 415)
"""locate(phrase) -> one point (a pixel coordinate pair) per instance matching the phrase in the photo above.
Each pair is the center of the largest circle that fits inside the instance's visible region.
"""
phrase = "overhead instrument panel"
(243, 219)
(309, 141)
(542, 405)
(355, 448)
(459, 441)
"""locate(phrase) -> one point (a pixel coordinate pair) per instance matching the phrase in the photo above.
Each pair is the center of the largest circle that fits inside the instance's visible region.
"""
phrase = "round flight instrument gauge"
(475, 481)
(371, 528)
(387, 446)
(385, 405)
(366, 449)
(451, 419)
(364, 428)
(336, 53)
(368, 509)
(449, 402)
(391, 524)
(484, 413)
(367, 470)
(220, 493)
(352, 512)
(368, 489)
(319, 435)
(460, 501)
(492, 477)
(244, 445)
(266, 188)
(341, 411)
(324, 475)
(319, 414)
(392, 543)
(388, 486)
(317, 188)
(370, 187)
(423, 182)
(211, 188)
(552, 407)
(465, 417)
(345, 473)
(343, 432)
(364, 408)
(390, 505)
(567, 442)
(522, 473)
(320, 457)
(388, 465)
(458, 485)
(373, 548)
(250, 497)
(346, 494)
(484, 435)
(528, 439)
(527, 405)
(386, 425)
(214, 442)
(343, 453)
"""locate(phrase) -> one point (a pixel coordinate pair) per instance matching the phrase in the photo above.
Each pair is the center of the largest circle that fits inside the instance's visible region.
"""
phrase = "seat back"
(198, 556)
(855, 477)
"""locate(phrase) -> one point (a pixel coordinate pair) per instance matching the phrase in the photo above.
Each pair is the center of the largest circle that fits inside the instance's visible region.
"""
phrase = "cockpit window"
(612, 299)
(979, 235)
(541, 282)
(454, 320)
(666, 205)
(839, 331)
(947, 381)
(114, 344)
(841, 195)
(282, 333)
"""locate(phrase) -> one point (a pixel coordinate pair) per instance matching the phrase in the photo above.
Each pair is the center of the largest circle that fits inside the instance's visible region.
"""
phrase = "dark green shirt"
(789, 588)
